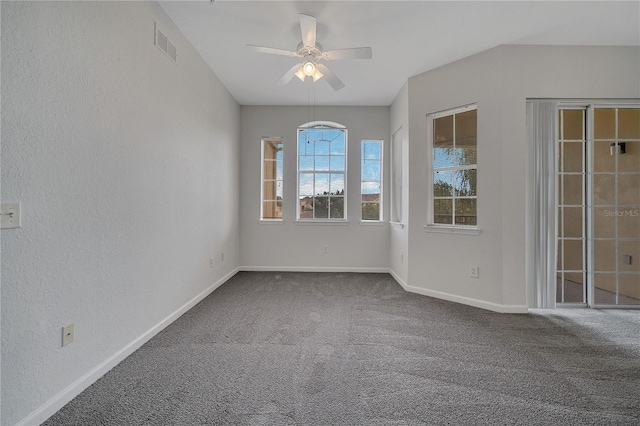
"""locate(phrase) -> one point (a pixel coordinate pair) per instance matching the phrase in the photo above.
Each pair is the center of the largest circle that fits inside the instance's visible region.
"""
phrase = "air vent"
(165, 44)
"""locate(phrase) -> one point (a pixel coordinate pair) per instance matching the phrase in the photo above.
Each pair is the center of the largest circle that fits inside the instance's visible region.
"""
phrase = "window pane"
(443, 156)
(572, 125)
(337, 184)
(572, 160)
(604, 190)
(321, 208)
(337, 163)
(603, 161)
(272, 210)
(271, 179)
(466, 139)
(466, 212)
(337, 145)
(370, 188)
(443, 211)
(573, 225)
(630, 161)
(466, 124)
(466, 155)
(605, 289)
(629, 190)
(629, 289)
(322, 148)
(322, 162)
(272, 190)
(305, 147)
(371, 150)
(305, 162)
(604, 123)
(337, 207)
(443, 184)
(371, 170)
(370, 211)
(629, 123)
(572, 192)
(466, 183)
(321, 184)
(306, 184)
(306, 208)
(443, 131)
(573, 255)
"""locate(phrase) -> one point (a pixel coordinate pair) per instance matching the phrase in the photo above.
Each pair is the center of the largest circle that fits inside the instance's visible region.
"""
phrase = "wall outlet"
(67, 334)
(212, 262)
(325, 249)
(222, 257)
(474, 271)
(627, 259)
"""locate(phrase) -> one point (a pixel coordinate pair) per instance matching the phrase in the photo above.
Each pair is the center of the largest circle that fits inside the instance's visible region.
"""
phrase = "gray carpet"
(356, 349)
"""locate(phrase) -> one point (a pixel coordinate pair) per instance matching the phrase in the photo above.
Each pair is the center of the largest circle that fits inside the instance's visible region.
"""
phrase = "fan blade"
(272, 50)
(308, 28)
(351, 53)
(331, 77)
(289, 75)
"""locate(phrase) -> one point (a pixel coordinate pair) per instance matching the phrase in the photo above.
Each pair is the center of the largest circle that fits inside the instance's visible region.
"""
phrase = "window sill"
(399, 225)
(452, 230)
(271, 222)
(321, 222)
(372, 222)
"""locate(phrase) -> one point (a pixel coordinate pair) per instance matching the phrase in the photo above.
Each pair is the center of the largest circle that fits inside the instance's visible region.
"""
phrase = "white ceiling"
(407, 38)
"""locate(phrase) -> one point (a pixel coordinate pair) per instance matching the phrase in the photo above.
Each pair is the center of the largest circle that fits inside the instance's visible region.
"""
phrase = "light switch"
(10, 215)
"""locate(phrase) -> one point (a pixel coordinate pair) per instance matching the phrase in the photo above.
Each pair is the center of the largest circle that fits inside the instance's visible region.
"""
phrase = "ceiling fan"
(311, 53)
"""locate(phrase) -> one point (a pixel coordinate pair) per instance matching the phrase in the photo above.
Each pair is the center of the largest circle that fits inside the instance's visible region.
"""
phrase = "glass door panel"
(571, 269)
(615, 194)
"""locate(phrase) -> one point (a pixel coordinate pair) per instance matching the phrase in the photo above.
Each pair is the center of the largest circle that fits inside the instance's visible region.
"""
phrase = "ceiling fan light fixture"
(317, 75)
(309, 68)
(300, 74)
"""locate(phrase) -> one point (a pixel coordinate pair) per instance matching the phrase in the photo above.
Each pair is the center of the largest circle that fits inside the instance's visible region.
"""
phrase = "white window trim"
(381, 215)
(322, 221)
(430, 226)
(396, 150)
(262, 142)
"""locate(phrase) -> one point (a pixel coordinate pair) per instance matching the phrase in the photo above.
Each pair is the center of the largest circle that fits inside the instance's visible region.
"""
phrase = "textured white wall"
(499, 80)
(399, 236)
(290, 245)
(127, 167)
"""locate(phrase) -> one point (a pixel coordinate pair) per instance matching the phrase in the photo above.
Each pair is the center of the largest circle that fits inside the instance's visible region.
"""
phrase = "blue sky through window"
(321, 161)
(370, 164)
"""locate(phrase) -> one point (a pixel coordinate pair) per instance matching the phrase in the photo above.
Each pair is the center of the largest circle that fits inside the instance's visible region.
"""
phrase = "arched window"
(322, 172)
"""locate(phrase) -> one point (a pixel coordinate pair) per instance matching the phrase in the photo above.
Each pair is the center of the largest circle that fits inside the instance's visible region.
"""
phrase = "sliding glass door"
(598, 206)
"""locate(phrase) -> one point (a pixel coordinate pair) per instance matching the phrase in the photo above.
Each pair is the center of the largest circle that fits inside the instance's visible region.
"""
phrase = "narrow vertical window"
(453, 140)
(271, 195)
(322, 166)
(371, 180)
(396, 176)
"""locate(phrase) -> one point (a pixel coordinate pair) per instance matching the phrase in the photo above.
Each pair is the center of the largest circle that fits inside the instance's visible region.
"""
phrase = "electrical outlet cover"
(10, 215)
(67, 334)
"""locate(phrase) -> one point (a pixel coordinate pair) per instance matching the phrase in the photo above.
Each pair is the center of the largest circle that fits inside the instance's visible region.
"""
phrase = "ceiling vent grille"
(165, 45)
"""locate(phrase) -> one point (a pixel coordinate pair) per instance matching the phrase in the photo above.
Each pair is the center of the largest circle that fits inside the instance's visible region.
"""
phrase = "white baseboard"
(490, 306)
(398, 279)
(313, 269)
(60, 400)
